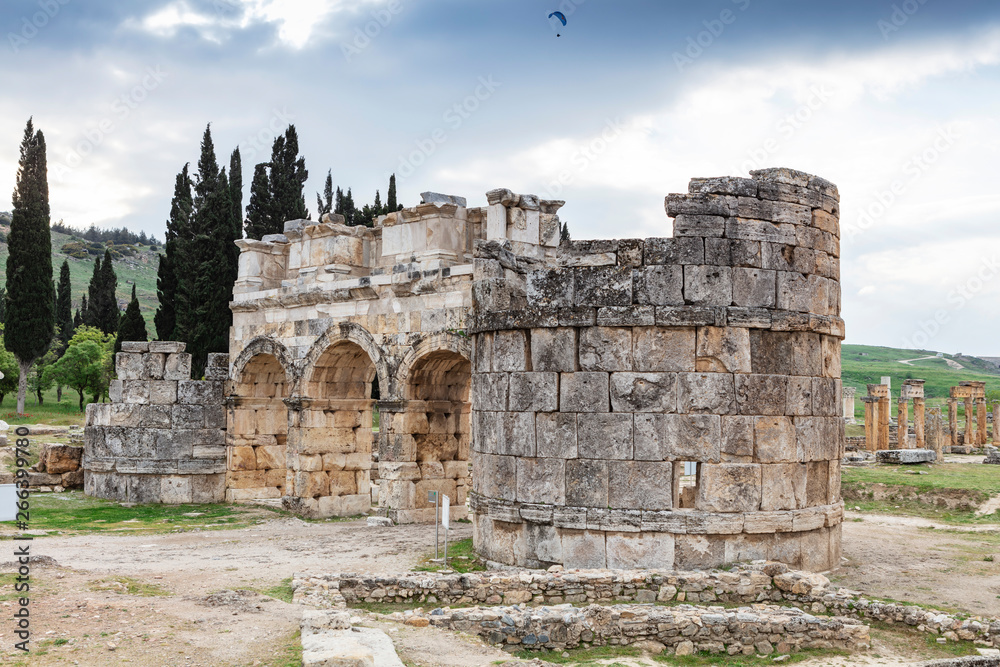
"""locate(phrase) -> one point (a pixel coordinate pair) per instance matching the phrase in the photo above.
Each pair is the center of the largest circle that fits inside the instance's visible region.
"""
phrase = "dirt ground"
(885, 556)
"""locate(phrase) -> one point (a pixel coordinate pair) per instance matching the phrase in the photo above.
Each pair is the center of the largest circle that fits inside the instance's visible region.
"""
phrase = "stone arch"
(264, 345)
(257, 423)
(428, 432)
(345, 332)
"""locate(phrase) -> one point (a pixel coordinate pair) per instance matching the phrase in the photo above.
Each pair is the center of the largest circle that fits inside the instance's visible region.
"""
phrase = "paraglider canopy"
(561, 17)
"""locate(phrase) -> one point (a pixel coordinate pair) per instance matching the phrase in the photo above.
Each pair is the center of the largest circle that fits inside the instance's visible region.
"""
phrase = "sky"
(895, 102)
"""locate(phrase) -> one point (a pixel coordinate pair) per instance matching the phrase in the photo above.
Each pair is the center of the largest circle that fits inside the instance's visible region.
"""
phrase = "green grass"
(291, 652)
(282, 591)
(129, 586)
(7, 591)
(66, 413)
(72, 512)
(600, 654)
(462, 558)
(939, 476)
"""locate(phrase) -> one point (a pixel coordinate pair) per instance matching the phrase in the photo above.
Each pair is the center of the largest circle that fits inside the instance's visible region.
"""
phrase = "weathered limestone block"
(584, 392)
(754, 288)
(199, 392)
(510, 351)
(603, 286)
(708, 393)
(775, 440)
(541, 480)
(163, 392)
(556, 435)
(799, 399)
(708, 285)
(553, 350)
(640, 485)
(135, 392)
(242, 458)
(586, 483)
(658, 286)
(644, 392)
(551, 288)
(311, 484)
(737, 437)
(729, 487)
(59, 459)
(784, 486)
(905, 456)
(669, 251)
(770, 352)
(817, 438)
(177, 366)
(584, 549)
(129, 366)
(658, 349)
(723, 350)
(217, 366)
(691, 437)
(534, 392)
(606, 349)
(604, 436)
(761, 394)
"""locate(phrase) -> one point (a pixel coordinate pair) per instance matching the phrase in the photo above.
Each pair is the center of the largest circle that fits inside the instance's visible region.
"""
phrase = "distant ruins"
(667, 402)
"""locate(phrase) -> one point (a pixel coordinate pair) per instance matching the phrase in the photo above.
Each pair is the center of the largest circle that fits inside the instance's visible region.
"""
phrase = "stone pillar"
(903, 420)
(871, 422)
(935, 433)
(918, 423)
(982, 437)
(953, 421)
(996, 416)
(970, 432)
(849, 405)
(884, 406)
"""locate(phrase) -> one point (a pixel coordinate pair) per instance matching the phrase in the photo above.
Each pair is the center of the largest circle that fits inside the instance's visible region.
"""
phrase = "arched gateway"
(667, 402)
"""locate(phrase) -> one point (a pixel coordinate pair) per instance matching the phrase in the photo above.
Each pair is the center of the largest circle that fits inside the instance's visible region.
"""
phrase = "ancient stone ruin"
(631, 403)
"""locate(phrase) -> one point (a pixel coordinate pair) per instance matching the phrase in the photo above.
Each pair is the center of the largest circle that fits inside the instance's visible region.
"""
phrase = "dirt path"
(954, 365)
(886, 556)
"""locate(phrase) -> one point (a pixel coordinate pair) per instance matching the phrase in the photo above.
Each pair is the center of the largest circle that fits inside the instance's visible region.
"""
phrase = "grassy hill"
(139, 269)
(864, 364)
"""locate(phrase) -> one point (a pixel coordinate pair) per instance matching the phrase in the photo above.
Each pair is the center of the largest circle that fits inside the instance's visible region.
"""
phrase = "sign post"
(433, 495)
(446, 520)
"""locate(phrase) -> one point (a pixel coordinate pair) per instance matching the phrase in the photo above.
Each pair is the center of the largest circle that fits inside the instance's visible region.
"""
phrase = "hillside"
(864, 364)
(139, 269)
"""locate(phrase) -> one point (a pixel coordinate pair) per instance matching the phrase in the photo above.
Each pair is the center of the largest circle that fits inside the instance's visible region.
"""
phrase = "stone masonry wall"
(162, 437)
(601, 379)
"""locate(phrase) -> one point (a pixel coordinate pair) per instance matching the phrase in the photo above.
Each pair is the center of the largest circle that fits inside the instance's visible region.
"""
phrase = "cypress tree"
(349, 209)
(77, 318)
(338, 202)
(93, 306)
(83, 311)
(564, 232)
(236, 194)
(259, 209)
(107, 315)
(287, 179)
(180, 254)
(377, 208)
(390, 196)
(3, 304)
(133, 326)
(64, 305)
(30, 316)
(324, 202)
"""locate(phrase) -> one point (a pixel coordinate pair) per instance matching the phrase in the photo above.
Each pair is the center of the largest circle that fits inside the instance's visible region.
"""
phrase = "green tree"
(133, 326)
(81, 368)
(236, 194)
(390, 196)
(3, 304)
(38, 381)
(102, 309)
(287, 179)
(564, 232)
(324, 202)
(64, 305)
(8, 367)
(30, 315)
(259, 209)
(349, 210)
(177, 236)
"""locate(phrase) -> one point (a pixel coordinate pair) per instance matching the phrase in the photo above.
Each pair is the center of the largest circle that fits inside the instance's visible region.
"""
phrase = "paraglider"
(561, 17)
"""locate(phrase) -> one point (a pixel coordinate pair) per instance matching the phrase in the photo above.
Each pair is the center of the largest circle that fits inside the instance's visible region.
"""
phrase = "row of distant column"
(877, 416)
(973, 395)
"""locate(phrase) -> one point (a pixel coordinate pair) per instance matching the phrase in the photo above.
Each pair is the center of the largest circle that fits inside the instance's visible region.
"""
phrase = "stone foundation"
(162, 438)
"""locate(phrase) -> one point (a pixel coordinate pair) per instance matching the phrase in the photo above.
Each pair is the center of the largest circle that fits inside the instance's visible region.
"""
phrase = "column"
(970, 432)
(903, 420)
(918, 423)
(935, 435)
(849, 405)
(996, 431)
(871, 417)
(981, 426)
(884, 406)
(953, 421)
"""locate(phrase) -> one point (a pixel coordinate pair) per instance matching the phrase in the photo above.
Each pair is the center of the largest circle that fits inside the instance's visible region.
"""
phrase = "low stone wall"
(680, 630)
(753, 583)
(162, 439)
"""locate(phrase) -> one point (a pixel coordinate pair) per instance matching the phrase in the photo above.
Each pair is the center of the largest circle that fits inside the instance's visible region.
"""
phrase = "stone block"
(733, 252)
(723, 350)
(217, 366)
(175, 490)
(242, 458)
(497, 476)
(167, 347)
(534, 392)
(144, 489)
(555, 435)
(658, 285)
(644, 392)
(817, 438)
(270, 456)
(342, 483)
(904, 456)
(550, 288)
(199, 392)
(761, 394)
(604, 436)
(827, 401)
(541, 481)
(432, 470)
(817, 483)
(135, 346)
(729, 487)
(657, 349)
(670, 251)
(135, 392)
(510, 350)
(606, 349)
(754, 288)
(177, 366)
(784, 486)
(737, 436)
(208, 451)
(706, 393)
(490, 390)
(648, 437)
(115, 388)
(798, 399)
(586, 483)
(638, 551)
(310, 484)
(830, 347)
(692, 437)
(61, 459)
(187, 416)
(770, 352)
(129, 366)
(517, 434)
(640, 485)
(208, 488)
(775, 440)
(760, 230)
(603, 286)
(162, 392)
(153, 365)
(553, 349)
(707, 285)
(698, 552)
(699, 225)
(584, 392)
(583, 549)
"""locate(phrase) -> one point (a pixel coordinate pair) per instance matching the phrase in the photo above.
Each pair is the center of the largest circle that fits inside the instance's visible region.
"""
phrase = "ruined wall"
(162, 437)
(601, 378)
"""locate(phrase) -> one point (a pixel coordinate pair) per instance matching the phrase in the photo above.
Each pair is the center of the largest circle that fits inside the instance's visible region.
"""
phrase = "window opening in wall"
(687, 475)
